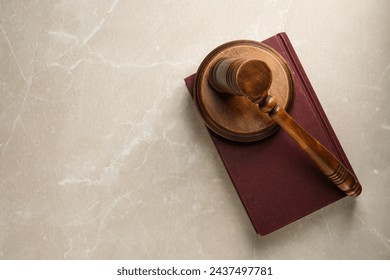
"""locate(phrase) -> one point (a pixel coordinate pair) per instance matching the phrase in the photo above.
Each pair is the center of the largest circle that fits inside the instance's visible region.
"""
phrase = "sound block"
(236, 117)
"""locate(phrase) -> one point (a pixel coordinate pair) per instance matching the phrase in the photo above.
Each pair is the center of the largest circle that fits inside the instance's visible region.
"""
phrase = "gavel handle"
(325, 160)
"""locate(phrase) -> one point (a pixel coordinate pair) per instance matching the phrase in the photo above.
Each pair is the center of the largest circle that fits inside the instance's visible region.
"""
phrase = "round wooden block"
(235, 117)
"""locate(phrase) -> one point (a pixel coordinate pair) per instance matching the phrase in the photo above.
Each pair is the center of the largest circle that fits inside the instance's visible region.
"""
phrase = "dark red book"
(277, 183)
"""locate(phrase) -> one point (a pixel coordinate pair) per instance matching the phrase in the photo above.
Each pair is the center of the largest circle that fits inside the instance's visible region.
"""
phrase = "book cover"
(276, 182)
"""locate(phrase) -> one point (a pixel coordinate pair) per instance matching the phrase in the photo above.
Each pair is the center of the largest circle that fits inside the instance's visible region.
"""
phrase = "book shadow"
(312, 237)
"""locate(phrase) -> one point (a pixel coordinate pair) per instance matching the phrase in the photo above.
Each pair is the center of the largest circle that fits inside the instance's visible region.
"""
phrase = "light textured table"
(103, 154)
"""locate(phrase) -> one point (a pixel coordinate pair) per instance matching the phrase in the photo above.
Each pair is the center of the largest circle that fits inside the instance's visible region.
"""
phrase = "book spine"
(300, 72)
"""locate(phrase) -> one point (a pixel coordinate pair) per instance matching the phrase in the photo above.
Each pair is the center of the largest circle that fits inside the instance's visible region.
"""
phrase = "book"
(275, 180)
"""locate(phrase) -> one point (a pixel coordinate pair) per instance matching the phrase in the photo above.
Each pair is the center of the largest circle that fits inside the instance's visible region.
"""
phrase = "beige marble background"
(103, 155)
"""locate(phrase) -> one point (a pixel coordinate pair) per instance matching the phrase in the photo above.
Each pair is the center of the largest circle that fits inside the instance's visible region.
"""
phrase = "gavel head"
(251, 78)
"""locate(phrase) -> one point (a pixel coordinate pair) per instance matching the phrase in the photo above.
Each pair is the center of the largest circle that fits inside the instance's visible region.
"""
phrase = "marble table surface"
(104, 156)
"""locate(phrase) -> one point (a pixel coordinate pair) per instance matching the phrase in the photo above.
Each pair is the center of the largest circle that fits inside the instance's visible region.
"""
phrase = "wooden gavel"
(252, 79)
